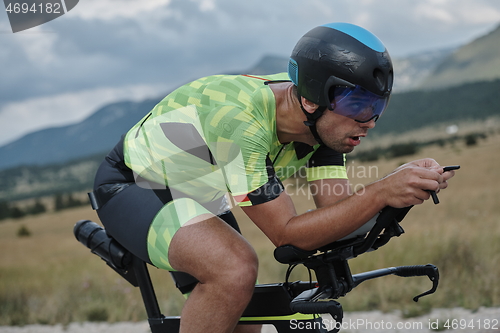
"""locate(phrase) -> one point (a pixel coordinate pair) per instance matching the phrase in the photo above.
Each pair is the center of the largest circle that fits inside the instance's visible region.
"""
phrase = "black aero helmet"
(339, 54)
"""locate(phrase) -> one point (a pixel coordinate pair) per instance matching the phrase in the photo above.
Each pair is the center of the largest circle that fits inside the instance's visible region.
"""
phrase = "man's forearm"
(327, 224)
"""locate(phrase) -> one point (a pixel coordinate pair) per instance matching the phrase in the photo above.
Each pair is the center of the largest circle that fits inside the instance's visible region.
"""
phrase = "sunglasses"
(357, 103)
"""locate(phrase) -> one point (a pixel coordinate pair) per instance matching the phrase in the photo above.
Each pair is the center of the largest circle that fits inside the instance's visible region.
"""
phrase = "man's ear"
(309, 106)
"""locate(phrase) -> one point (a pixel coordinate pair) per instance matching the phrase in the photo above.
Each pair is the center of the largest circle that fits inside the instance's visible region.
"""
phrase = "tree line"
(60, 201)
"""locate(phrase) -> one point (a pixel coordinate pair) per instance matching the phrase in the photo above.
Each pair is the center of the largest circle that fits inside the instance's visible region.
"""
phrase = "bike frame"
(279, 303)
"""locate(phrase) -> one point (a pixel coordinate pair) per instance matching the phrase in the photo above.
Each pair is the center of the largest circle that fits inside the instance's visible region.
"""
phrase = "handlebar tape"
(431, 271)
(419, 270)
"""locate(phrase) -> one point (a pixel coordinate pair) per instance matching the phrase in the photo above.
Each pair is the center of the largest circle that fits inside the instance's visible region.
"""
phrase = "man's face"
(341, 133)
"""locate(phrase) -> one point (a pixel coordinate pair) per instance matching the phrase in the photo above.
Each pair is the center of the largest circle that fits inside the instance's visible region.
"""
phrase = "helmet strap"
(312, 118)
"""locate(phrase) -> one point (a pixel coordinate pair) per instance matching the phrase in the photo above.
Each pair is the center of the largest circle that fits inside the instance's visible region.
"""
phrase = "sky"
(104, 51)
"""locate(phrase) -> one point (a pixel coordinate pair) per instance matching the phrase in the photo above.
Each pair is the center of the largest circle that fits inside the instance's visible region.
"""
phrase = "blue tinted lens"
(358, 103)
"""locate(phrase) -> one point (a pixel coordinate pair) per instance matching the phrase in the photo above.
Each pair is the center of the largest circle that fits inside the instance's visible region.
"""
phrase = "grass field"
(50, 278)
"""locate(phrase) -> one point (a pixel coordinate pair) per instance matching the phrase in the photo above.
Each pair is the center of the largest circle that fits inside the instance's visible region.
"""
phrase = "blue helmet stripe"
(360, 34)
(293, 71)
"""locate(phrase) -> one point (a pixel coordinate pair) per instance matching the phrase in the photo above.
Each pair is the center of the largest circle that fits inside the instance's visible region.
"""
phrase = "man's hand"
(427, 163)
(409, 184)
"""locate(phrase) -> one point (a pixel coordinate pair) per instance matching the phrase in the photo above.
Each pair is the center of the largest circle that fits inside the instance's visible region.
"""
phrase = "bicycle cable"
(288, 272)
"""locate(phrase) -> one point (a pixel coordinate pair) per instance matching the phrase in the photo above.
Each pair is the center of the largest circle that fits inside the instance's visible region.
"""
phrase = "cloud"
(114, 44)
(114, 9)
(452, 13)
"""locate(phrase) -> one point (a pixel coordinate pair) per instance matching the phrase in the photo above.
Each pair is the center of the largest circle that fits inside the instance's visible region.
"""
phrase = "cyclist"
(161, 192)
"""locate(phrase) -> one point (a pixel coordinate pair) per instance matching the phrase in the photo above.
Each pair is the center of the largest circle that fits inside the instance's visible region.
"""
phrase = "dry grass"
(49, 277)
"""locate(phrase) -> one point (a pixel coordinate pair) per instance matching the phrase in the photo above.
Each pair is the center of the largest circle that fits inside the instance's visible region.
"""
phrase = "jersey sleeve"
(326, 163)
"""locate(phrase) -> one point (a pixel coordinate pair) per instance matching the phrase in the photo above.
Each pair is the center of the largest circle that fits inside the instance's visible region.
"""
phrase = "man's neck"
(289, 116)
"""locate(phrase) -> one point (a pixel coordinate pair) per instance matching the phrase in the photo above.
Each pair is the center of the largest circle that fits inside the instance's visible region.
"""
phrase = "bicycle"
(277, 304)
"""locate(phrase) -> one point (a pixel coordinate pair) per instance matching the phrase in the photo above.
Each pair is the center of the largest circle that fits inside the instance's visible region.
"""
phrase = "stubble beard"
(338, 145)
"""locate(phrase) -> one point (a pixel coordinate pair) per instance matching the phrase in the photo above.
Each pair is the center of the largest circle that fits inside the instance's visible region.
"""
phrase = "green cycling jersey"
(217, 135)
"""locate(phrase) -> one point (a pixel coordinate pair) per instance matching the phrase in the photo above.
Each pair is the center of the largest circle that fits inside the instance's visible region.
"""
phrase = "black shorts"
(129, 210)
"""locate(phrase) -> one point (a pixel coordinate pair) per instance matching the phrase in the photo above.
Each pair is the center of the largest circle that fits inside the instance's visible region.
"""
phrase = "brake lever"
(430, 270)
(433, 275)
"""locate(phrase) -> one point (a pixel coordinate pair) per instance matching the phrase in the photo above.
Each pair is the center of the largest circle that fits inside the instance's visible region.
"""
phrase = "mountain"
(476, 61)
(96, 134)
(407, 111)
(100, 132)
(417, 109)
(30, 181)
(409, 72)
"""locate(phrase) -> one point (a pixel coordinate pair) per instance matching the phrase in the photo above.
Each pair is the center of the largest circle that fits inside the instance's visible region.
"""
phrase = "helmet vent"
(293, 71)
(380, 81)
